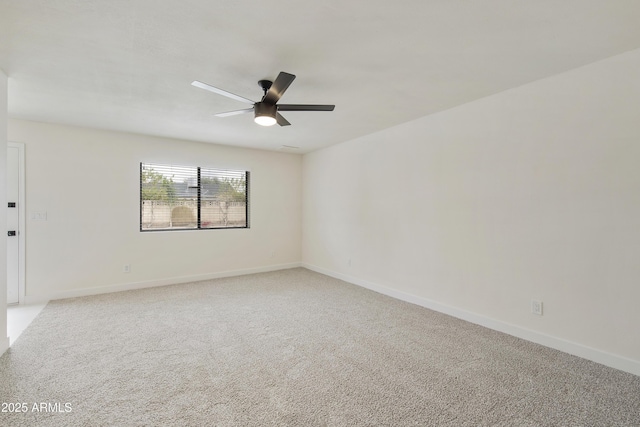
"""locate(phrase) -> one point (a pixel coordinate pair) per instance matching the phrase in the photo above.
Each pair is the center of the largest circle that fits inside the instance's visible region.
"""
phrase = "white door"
(13, 223)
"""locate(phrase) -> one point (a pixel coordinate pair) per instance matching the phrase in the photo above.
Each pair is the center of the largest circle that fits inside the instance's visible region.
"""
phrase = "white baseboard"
(4, 345)
(73, 293)
(576, 349)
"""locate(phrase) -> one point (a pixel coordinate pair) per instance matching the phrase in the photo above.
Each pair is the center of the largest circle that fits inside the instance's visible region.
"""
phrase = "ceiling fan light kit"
(265, 114)
(266, 110)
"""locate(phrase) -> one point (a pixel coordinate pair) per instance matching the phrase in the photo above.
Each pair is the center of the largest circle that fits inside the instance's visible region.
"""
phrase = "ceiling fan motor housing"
(263, 109)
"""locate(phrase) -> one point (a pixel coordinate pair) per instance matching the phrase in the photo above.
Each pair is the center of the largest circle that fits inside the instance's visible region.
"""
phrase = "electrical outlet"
(536, 307)
(127, 268)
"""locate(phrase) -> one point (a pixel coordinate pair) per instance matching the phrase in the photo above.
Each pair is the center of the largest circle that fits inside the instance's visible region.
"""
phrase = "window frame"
(199, 200)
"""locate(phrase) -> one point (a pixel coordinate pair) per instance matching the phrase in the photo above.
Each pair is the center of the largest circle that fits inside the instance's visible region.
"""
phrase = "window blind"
(192, 198)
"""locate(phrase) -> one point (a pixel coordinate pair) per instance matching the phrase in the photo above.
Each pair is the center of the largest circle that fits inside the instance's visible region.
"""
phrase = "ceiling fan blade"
(278, 87)
(221, 92)
(281, 120)
(234, 113)
(305, 107)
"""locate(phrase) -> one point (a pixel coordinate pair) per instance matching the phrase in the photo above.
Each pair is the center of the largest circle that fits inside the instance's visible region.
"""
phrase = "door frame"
(21, 220)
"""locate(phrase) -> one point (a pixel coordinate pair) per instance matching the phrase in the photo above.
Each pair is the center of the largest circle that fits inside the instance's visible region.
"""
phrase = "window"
(192, 198)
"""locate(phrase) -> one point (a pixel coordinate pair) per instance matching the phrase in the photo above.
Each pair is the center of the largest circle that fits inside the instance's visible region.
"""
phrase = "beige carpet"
(292, 348)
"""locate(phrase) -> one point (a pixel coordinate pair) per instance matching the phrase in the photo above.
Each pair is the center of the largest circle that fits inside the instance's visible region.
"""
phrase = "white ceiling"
(127, 64)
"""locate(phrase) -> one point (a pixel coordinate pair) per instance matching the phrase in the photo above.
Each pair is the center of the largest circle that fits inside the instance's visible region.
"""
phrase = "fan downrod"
(265, 85)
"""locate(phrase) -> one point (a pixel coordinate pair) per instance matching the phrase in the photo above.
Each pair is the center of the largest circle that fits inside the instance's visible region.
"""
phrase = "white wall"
(533, 193)
(82, 248)
(4, 340)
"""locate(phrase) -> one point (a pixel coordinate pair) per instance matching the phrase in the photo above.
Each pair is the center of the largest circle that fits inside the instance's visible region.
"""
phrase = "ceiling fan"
(267, 110)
